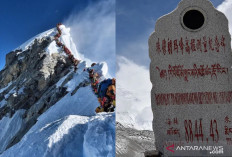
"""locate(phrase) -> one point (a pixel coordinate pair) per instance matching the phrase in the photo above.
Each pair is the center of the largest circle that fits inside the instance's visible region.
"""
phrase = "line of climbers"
(105, 91)
(64, 48)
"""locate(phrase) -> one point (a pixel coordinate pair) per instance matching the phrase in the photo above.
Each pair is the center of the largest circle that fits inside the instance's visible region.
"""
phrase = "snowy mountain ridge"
(128, 120)
(47, 109)
(53, 48)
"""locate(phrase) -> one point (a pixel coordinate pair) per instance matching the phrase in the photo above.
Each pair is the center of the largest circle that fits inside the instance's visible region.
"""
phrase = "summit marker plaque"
(191, 73)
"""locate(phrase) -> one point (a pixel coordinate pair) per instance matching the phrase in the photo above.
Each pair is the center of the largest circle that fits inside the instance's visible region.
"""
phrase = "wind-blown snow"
(66, 39)
(93, 30)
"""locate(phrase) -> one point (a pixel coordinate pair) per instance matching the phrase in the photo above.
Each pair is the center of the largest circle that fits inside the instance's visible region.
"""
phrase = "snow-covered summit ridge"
(65, 38)
(26, 45)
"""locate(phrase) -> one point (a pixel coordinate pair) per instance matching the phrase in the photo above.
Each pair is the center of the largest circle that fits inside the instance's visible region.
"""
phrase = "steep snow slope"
(70, 127)
(9, 127)
(70, 136)
(62, 122)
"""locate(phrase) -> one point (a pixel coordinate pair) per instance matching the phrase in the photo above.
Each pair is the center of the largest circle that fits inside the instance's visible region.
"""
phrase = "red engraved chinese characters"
(158, 47)
(172, 130)
(205, 44)
(193, 45)
(187, 46)
(228, 130)
(169, 46)
(164, 46)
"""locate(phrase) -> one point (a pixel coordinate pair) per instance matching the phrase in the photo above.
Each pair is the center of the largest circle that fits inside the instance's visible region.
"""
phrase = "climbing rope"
(64, 48)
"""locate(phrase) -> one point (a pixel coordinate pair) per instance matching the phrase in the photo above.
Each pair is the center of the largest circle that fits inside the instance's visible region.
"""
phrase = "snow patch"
(20, 91)
(3, 103)
(53, 48)
(21, 58)
(77, 79)
(81, 75)
(3, 89)
(60, 82)
(12, 91)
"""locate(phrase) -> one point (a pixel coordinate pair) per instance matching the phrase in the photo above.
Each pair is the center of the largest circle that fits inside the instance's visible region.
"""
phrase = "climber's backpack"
(111, 91)
(103, 87)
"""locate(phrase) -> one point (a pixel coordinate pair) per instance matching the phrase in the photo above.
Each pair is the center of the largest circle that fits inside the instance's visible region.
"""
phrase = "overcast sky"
(135, 22)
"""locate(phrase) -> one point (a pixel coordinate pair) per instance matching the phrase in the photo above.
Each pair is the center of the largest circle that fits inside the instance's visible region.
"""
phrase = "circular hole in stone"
(193, 19)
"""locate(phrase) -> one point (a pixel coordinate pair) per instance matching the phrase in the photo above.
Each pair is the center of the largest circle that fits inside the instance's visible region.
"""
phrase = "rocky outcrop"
(133, 143)
(28, 82)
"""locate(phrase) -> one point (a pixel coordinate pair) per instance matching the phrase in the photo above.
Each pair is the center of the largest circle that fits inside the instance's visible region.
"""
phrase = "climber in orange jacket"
(106, 96)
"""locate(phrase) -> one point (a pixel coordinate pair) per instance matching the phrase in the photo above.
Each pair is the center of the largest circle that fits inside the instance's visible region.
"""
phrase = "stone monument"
(191, 73)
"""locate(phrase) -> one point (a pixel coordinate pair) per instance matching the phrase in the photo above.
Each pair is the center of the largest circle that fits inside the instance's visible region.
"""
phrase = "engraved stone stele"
(191, 74)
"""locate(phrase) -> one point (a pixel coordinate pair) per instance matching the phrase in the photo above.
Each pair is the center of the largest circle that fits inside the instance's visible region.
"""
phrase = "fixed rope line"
(65, 48)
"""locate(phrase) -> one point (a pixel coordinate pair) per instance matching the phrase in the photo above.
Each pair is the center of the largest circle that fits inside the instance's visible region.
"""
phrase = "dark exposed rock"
(28, 82)
(133, 143)
(152, 153)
